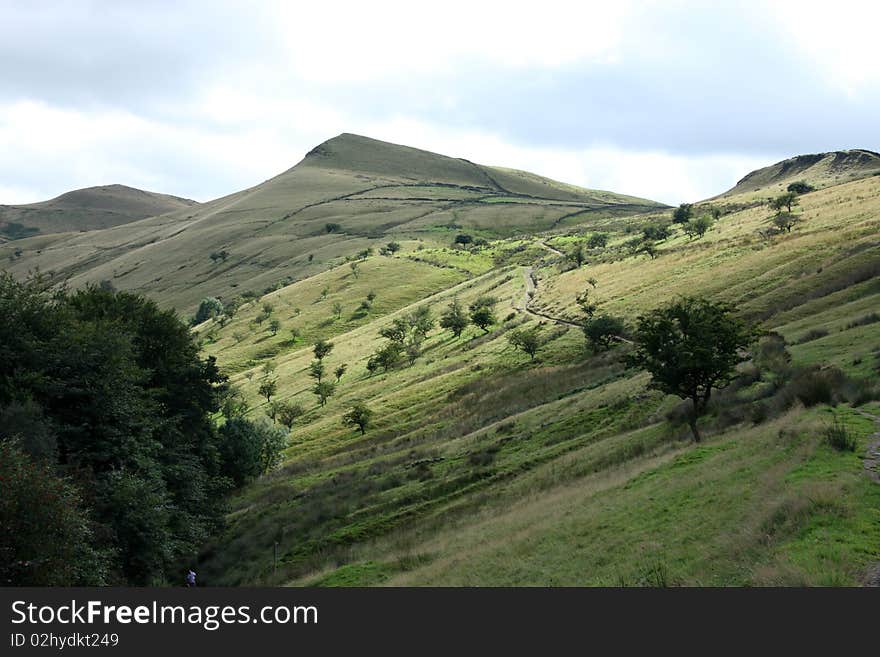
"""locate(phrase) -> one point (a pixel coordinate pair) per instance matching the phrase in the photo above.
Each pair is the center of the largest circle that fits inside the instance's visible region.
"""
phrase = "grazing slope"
(87, 209)
(819, 170)
(277, 231)
(483, 467)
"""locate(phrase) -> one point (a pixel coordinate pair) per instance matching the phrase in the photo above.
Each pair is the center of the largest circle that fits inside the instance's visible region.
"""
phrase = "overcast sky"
(668, 100)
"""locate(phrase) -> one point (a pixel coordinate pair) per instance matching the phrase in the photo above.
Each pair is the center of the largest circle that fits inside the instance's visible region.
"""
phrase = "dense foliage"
(104, 398)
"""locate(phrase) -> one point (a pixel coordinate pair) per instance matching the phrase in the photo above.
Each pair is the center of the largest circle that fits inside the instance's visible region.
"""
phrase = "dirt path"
(551, 248)
(871, 460)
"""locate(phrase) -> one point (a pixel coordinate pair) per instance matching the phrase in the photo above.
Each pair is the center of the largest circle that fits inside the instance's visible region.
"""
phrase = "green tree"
(274, 326)
(529, 340)
(324, 390)
(339, 371)
(800, 187)
(250, 448)
(46, 535)
(209, 308)
(483, 312)
(421, 321)
(698, 227)
(454, 319)
(689, 347)
(683, 213)
(785, 221)
(602, 331)
(598, 240)
(392, 247)
(355, 269)
(268, 387)
(289, 413)
(316, 370)
(358, 416)
(577, 255)
(322, 348)
(787, 201)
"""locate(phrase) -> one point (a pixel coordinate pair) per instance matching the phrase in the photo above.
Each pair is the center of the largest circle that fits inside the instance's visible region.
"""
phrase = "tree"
(577, 254)
(339, 371)
(698, 227)
(483, 312)
(800, 187)
(785, 221)
(274, 325)
(396, 332)
(358, 416)
(656, 232)
(355, 269)
(268, 387)
(649, 247)
(413, 349)
(421, 321)
(288, 413)
(587, 303)
(268, 309)
(683, 213)
(209, 308)
(602, 331)
(392, 247)
(295, 334)
(316, 370)
(337, 309)
(371, 296)
(454, 319)
(386, 357)
(529, 340)
(463, 239)
(46, 535)
(597, 241)
(322, 348)
(332, 228)
(250, 448)
(366, 253)
(689, 347)
(324, 390)
(787, 201)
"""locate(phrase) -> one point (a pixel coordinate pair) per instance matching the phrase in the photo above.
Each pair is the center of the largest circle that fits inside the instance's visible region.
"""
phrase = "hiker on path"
(191, 578)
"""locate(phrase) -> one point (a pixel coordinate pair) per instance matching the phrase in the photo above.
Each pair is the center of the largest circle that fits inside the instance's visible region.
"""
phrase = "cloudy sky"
(671, 100)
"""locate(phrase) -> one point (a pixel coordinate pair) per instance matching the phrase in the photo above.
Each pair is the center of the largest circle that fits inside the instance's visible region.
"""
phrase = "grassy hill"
(819, 170)
(484, 467)
(87, 209)
(367, 191)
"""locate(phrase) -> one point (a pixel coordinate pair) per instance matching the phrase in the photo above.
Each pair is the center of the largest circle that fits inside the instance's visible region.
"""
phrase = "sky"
(669, 100)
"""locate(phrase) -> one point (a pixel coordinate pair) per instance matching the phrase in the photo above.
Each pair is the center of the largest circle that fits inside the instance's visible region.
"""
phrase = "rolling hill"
(484, 467)
(88, 209)
(348, 194)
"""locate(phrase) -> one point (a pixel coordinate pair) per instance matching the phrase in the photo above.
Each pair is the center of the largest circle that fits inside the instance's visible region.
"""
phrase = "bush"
(871, 318)
(814, 385)
(838, 436)
(812, 334)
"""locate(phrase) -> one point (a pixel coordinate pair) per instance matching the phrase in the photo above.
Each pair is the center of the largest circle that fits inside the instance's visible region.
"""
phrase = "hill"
(819, 170)
(92, 208)
(485, 467)
(349, 194)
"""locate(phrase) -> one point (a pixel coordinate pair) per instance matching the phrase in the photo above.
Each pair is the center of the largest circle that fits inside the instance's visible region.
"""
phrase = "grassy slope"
(92, 208)
(375, 191)
(485, 468)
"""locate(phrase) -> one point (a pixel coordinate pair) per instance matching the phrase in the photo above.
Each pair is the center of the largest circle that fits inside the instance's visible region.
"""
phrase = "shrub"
(812, 334)
(871, 318)
(838, 436)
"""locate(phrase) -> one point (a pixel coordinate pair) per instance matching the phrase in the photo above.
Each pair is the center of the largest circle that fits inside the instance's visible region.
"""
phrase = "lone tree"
(454, 319)
(355, 268)
(324, 390)
(322, 348)
(698, 227)
(288, 413)
(358, 416)
(274, 326)
(602, 331)
(483, 312)
(392, 247)
(268, 388)
(785, 221)
(577, 255)
(800, 187)
(316, 370)
(690, 347)
(339, 371)
(787, 201)
(683, 213)
(529, 340)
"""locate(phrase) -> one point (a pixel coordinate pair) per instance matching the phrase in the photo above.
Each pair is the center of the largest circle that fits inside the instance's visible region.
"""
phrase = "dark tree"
(577, 255)
(787, 201)
(339, 371)
(483, 312)
(288, 413)
(316, 370)
(268, 388)
(209, 308)
(529, 340)
(597, 240)
(785, 221)
(324, 390)
(463, 239)
(683, 213)
(358, 416)
(392, 247)
(800, 187)
(274, 326)
(698, 227)
(602, 331)
(690, 347)
(322, 348)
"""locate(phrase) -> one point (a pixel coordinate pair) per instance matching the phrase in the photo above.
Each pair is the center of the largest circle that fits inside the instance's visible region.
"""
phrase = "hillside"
(348, 194)
(88, 209)
(819, 170)
(485, 467)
